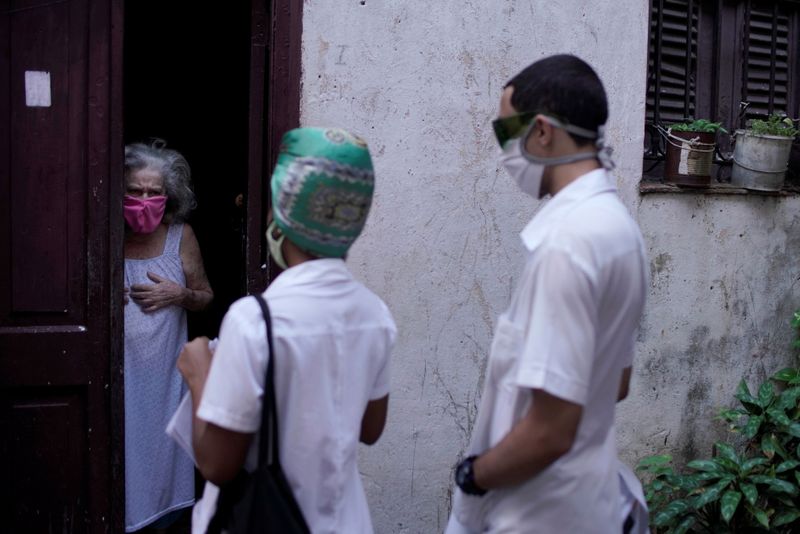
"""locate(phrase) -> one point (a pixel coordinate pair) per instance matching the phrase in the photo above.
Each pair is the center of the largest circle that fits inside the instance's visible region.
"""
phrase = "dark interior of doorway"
(186, 82)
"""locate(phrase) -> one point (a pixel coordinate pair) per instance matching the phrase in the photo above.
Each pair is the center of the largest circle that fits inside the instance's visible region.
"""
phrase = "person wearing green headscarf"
(332, 340)
(321, 192)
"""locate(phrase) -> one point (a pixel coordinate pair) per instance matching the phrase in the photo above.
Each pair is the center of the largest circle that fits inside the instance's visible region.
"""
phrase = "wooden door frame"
(275, 64)
(91, 339)
(275, 71)
(116, 268)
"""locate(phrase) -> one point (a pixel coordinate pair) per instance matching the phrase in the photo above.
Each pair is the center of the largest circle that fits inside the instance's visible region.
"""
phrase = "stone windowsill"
(649, 188)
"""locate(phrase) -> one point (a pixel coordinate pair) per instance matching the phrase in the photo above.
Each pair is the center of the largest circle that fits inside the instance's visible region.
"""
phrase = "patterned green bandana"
(322, 189)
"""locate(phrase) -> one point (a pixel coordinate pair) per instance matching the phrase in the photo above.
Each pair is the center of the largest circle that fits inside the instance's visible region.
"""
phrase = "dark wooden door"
(275, 39)
(61, 467)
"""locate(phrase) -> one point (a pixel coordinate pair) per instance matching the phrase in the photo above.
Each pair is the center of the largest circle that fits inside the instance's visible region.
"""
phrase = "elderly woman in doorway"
(164, 277)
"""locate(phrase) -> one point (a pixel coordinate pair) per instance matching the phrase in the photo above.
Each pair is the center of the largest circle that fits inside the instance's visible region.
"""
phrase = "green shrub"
(699, 125)
(774, 125)
(752, 487)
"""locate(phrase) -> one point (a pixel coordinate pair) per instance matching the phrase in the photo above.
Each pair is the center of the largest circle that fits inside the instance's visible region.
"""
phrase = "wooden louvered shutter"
(770, 58)
(672, 61)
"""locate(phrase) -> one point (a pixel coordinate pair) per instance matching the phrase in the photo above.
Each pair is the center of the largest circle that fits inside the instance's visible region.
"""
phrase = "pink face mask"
(143, 215)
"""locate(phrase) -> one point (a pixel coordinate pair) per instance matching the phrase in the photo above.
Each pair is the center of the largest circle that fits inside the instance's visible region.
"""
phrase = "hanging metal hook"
(742, 109)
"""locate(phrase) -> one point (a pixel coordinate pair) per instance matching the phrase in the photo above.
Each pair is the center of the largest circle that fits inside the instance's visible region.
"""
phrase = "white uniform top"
(332, 339)
(570, 331)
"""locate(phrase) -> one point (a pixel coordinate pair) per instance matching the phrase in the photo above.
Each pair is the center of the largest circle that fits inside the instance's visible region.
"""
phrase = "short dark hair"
(565, 86)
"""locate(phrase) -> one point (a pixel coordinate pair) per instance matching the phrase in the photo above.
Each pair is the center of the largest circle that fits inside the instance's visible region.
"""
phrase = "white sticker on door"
(37, 89)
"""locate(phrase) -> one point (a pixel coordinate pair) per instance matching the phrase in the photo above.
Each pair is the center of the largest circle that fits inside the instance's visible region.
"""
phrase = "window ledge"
(649, 188)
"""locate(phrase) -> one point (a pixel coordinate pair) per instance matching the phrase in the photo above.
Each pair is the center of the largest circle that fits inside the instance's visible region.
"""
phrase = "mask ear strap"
(276, 251)
(571, 128)
(561, 160)
(604, 151)
(569, 158)
(271, 227)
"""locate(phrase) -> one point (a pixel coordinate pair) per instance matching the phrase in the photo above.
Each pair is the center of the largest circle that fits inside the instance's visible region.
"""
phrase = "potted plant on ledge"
(761, 155)
(690, 152)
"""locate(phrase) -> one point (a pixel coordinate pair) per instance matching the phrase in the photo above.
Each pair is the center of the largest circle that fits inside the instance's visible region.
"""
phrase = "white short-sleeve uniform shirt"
(570, 331)
(332, 340)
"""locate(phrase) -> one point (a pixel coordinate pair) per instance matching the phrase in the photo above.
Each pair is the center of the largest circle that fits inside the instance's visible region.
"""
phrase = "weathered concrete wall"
(724, 285)
(421, 82)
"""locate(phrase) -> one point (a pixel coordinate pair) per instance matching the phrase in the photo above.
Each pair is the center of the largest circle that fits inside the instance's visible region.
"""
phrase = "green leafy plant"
(699, 125)
(796, 326)
(775, 125)
(751, 487)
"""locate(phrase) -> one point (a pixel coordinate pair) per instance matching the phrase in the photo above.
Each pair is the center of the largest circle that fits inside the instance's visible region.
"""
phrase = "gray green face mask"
(275, 245)
(526, 169)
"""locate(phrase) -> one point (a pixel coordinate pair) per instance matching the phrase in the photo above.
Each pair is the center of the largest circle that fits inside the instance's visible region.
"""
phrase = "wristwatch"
(465, 478)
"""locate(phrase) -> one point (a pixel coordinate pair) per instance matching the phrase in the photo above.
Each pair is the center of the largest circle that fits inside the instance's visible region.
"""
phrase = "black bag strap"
(268, 449)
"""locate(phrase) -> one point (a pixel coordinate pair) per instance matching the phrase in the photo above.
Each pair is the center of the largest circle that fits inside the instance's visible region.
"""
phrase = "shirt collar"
(588, 185)
(323, 270)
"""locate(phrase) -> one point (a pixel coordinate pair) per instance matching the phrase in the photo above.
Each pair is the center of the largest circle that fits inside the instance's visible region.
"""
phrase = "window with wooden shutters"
(727, 61)
(767, 50)
(672, 61)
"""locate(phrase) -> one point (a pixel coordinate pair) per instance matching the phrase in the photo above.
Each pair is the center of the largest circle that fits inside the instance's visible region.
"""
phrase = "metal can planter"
(689, 158)
(760, 161)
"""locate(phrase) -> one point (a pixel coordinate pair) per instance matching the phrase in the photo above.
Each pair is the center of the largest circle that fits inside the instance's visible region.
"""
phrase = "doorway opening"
(186, 81)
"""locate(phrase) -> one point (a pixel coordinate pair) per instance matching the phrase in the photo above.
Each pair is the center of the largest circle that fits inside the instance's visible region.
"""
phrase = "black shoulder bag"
(262, 501)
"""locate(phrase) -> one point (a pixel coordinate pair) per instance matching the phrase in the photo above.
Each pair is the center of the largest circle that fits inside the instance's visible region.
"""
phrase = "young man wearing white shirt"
(332, 338)
(542, 457)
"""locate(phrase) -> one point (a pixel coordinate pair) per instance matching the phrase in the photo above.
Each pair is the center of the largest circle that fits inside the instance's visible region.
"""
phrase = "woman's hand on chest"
(160, 294)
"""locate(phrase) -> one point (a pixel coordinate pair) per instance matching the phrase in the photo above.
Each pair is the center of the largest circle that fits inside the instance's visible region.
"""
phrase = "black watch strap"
(465, 477)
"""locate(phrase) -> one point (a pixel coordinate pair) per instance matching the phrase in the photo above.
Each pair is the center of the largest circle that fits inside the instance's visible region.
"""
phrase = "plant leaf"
(726, 451)
(687, 482)
(729, 503)
(785, 500)
(760, 515)
(747, 400)
(749, 464)
(785, 466)
(731, 415)
(768, 445)
(743, 391)
(789, 397)
(765, 394)
(670, 512)
(786, 517)
(708, 475)
(794, 430)
(775, 484)
(785, 375)
(705, 465)
(684, 526)
(779, 416)
(752, 426)
(728, 465)
(750, 492)
(711, 493)
(655, 460)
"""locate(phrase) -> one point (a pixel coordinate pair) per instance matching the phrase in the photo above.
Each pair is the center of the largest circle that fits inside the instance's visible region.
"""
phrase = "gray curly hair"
(172, 167)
